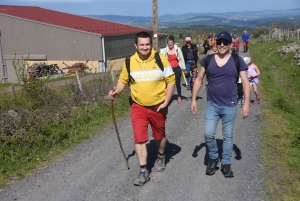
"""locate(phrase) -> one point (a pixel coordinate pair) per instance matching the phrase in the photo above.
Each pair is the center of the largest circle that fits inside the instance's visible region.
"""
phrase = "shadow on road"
(236, 150)
(171, 150)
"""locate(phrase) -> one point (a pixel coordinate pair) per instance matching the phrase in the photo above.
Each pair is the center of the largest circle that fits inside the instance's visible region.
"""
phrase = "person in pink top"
(253, 73)
(174, 54)
(235, 44)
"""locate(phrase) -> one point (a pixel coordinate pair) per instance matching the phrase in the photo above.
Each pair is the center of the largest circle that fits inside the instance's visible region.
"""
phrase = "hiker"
(209, 37)
(151, 90)
(213, 41)
(194, 73)
(191, 54)
(245, 38)
(253, 73)
(206, 45)
(235, 44)
(174, 55)
(222, 73)
(213, 50)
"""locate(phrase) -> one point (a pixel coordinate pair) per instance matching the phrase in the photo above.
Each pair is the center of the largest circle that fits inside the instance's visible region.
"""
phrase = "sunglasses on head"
(225, 42)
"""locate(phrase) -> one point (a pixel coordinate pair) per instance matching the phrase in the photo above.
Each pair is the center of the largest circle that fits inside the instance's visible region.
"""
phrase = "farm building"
(33, 34)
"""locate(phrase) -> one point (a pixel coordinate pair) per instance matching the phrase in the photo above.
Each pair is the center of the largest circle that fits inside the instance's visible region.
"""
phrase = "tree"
(180, 36)
(257, 31)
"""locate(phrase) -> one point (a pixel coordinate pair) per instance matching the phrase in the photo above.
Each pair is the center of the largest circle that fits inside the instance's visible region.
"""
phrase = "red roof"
(70, 21)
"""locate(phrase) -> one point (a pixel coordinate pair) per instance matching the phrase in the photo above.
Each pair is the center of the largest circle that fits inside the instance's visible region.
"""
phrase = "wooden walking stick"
(117, 132)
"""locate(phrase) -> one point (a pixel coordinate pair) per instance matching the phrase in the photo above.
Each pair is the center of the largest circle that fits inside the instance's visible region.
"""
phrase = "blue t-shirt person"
(245, 37)
(222, 87)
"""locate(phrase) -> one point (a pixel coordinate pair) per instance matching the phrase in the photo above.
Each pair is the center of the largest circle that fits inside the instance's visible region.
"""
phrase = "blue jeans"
(188, 70)
(213, 114)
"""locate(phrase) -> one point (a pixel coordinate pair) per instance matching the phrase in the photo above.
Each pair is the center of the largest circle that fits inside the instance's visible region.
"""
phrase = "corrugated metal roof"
(69, 20)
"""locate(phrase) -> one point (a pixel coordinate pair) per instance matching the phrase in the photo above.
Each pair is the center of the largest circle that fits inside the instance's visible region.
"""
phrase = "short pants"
(141, 117)
(252, 82)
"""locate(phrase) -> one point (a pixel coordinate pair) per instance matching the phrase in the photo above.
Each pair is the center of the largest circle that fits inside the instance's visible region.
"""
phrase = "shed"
(33, 34)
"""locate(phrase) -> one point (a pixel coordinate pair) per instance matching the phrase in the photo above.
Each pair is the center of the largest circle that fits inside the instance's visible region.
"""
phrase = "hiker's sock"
(160, 154)
(143, 166)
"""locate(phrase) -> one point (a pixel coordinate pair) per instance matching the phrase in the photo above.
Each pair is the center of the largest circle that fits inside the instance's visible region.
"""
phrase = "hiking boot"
(143, 177)
(226, 170)
(212, 166)
(160, 163)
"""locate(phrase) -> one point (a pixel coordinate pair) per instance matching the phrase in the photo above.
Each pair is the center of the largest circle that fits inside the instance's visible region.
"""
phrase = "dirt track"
(95, 170)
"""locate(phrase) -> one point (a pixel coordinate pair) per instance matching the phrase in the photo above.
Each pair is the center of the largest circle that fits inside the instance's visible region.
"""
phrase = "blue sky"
(144, 7)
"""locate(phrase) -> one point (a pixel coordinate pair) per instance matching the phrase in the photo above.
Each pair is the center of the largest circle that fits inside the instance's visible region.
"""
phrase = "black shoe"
(212, 166)
(226, 170)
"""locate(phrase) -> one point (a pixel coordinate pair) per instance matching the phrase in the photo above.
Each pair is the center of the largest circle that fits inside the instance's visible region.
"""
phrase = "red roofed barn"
(55, 38)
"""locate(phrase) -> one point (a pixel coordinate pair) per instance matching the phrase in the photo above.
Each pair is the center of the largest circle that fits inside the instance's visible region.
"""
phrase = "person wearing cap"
(221, 102)
(190, 54)
(253, 73)
(245, 38)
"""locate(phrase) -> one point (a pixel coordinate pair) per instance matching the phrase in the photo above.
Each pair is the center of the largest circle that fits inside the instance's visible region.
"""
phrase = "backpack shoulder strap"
(158, 61)
(237, 64)
(207, 60)
(127, 63)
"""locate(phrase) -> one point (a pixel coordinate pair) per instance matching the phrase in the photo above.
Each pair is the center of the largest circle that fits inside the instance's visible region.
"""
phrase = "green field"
(280, 132)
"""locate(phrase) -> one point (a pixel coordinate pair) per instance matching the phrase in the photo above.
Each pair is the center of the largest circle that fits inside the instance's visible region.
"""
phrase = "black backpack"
(157, 60)
(236, 61)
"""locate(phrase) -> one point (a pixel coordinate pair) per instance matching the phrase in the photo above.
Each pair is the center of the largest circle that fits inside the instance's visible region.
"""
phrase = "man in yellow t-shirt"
(151, 92)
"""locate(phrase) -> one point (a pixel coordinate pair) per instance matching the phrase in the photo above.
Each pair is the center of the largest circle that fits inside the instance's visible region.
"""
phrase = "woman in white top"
(174, 54)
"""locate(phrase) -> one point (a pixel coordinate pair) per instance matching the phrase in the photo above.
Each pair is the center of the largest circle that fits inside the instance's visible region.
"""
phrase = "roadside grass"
(280, 94)
(39, 125)
(2, 86)
(46, 80)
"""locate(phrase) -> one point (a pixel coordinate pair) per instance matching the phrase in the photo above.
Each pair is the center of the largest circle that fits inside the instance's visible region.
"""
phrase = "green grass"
(280, 89)
(43, 139)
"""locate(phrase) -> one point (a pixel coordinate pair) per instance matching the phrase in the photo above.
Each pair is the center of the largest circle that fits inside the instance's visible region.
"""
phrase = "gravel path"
(95, 170)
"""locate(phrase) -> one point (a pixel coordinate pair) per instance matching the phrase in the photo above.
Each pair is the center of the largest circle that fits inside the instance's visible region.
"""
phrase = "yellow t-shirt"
(149, 87)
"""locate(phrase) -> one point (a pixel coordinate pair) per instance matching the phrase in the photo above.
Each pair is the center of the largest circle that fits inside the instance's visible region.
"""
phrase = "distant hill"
(245, 18)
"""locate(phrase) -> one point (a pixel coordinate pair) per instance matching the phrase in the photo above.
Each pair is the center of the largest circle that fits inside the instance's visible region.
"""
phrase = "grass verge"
(280, 89)
(40, 124)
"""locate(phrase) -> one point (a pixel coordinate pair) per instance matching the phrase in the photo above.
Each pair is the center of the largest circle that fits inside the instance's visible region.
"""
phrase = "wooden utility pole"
(154, 24)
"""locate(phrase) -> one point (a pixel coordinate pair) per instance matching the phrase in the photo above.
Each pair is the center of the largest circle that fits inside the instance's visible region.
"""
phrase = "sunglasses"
(225, 43)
